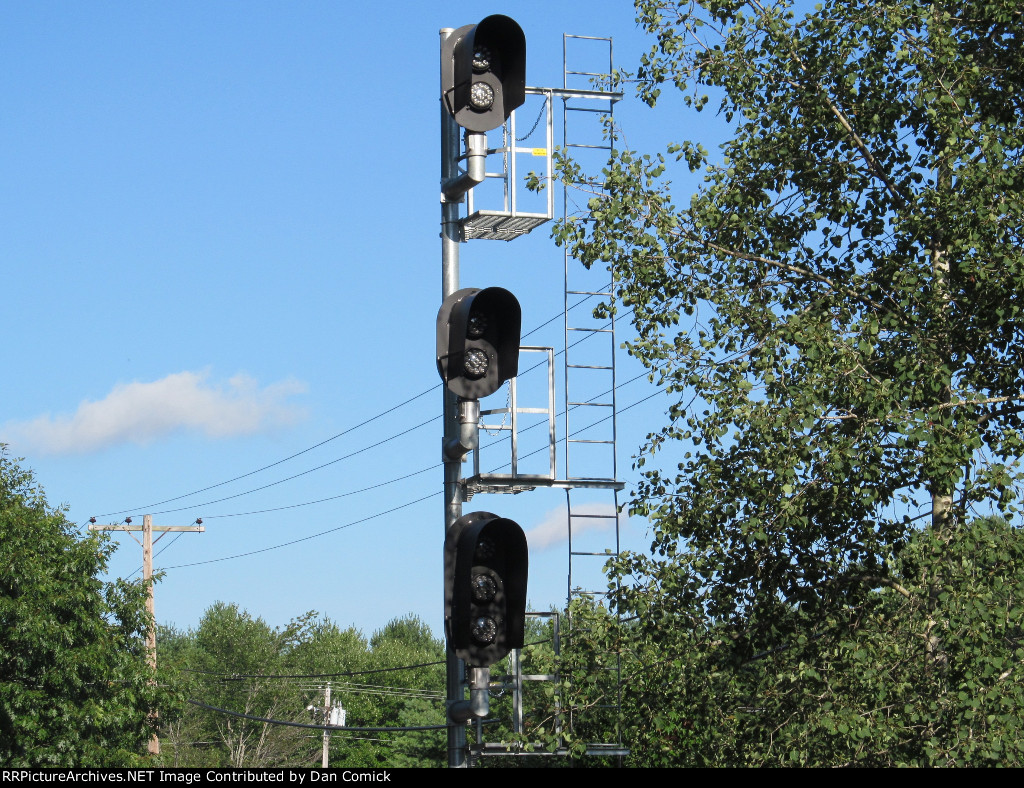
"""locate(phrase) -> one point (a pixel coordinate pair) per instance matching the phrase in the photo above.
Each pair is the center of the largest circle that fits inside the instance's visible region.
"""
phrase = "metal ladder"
(590, 350)
(590, 464)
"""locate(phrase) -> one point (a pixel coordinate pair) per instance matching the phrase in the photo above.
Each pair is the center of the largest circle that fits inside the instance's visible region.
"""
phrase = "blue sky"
(220, 249)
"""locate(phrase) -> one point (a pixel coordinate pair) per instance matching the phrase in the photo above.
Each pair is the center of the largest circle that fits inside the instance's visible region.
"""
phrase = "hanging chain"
(535, 124)
(504, 416)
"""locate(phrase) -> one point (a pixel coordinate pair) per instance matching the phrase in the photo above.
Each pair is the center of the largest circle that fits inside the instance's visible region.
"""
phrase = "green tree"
(837, 311)
(413, 697)
(235, 664)
(914, 672)
(543, 702)
(74, 683)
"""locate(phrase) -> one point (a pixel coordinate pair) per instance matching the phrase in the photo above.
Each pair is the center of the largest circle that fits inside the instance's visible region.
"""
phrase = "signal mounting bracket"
(515, 481)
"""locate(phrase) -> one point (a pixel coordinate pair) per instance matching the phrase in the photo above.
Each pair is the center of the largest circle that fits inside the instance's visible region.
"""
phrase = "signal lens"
(475, 363)
(481, 96)
(477, 325)
(481, 59)
(484, 588)
(484, 629)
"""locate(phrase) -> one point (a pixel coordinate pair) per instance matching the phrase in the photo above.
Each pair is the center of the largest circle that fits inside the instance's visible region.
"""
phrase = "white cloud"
(554, 528)
(144, 412)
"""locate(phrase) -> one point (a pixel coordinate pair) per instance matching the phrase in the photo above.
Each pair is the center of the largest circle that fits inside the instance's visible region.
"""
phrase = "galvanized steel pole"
(455, 673)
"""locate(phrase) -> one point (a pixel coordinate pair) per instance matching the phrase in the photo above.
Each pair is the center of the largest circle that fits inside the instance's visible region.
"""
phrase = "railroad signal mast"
(478, 333)
(483, 79)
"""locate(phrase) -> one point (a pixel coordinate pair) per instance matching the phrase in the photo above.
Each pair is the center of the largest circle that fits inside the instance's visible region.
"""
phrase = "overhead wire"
(271, 721)
(372, 689)
(226, 676)
(329, 498)
(419, 500)
(348, 689)
(391, 481)
(307, 538)
(355, 689)
(321, 443)
(291, 506)
(373, 445)
(370, 487)
(359, 451)
(401, 506)
(278, 462)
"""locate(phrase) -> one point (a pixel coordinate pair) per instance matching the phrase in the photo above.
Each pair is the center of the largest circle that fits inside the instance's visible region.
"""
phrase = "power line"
(359, 451)
(317, 445)
(381, 484)
(273, 464)
(346, 688)
(412, 473)
(391, 481)
(348, 673)
(331, 498)
(373, 445)
(345, 674)
(293, 506)
(305, 538)
(352, 454)
(317, 727)
(408, 504)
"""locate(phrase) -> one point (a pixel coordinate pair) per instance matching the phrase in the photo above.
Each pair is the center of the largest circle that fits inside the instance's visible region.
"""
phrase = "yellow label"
(540, 151)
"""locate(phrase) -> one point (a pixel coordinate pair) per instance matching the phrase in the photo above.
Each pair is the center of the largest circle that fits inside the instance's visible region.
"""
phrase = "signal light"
(485, 572)
(483, 72)
(478, 335)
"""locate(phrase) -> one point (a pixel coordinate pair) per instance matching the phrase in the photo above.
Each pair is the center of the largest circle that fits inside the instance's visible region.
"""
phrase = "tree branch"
(845, 122)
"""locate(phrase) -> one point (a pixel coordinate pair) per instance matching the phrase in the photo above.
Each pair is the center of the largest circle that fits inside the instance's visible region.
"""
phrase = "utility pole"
(147, 543)
(333, 716)
(327, 718)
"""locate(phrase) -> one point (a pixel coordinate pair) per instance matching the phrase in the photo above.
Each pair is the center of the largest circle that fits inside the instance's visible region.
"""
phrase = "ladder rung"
(588, 366)
(591, 330)
(596, 516)
(589, 73)
(589, 147)
(588, 109)
(578, 440)
(607, 555)
(587, 292)
(593, 404)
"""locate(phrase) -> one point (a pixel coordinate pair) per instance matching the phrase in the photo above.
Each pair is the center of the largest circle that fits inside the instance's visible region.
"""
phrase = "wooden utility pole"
(327, 719)
(147, 542)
